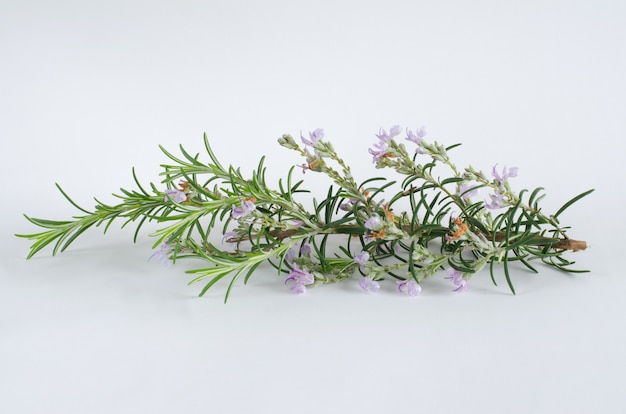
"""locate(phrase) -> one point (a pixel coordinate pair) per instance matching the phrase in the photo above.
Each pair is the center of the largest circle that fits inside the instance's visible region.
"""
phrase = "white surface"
(89, 90)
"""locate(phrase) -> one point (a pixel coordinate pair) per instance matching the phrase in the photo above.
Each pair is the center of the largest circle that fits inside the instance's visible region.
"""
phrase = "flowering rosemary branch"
(445, 225)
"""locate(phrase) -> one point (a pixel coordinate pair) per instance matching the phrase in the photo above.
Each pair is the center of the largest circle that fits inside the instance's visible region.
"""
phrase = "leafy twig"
(444, 228)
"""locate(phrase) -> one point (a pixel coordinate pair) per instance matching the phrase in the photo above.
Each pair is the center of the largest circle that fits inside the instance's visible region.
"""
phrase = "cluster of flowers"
(384, 150)
(444, 229)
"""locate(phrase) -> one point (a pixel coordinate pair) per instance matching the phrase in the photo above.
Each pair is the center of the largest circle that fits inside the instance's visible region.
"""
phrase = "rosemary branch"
(444, 228)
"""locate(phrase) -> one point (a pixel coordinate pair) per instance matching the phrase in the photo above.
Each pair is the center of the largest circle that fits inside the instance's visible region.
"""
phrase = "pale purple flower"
(297, 223)
(497, 201)
(379, 150)
(346, 206)
(230, 239)
(361, 258)
(173, 194)
(312, 163)
(369, 285)
(298, 288)
(290, 255)
(409, 286)
(506, 173)
(162, 254)
(314, 137)
(466, 191)
(305, 248)
(300, 279)
(298, 275)
(457, 278)
(373, 223)
(247, 207)
(454, 275)
(416, 136)
(394, 131)
(462, 286)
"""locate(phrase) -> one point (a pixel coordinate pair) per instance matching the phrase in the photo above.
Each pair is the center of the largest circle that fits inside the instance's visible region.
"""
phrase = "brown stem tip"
(569, 244)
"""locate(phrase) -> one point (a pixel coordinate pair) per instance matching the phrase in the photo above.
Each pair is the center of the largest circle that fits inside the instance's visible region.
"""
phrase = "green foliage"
(442, 228)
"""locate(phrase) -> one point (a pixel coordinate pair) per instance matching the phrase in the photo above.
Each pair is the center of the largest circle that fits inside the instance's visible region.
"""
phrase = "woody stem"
(562, 243)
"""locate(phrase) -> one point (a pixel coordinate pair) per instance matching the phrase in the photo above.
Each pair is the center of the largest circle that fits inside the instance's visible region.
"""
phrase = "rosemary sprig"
(445, 227)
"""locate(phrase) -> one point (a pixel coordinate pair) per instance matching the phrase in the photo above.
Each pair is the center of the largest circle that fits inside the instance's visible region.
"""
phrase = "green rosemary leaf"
(71, 201)
(381, 189)
(528, 265)
(213, 281)
(460, 267)
(572, 201)
(136, 180)
(452, 180)
(533, 196)
(453, 146)
(507, 275)
(492, 262)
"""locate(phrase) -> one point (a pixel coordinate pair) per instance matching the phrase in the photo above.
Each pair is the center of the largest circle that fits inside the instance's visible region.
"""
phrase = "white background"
(89, 89)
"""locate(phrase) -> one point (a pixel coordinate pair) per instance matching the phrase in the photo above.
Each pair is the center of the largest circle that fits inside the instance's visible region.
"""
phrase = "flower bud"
(287, 141)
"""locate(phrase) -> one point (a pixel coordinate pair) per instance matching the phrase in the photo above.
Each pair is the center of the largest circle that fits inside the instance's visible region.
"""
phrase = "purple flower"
(300, 279)
(373, 223)
(290, 255)
(162, 254)
(312, 163)
(466, 191)
(409, 286)
(497, 201)
(346, 206)
(247, 207)
(457, 278)
(230, 239)
(361, 258)
(298, 288)
(369, 285)
(314, 137)
(379, 150)
(416, 136)
(454, 275)
(297, 223)
(173, 194)
(305, 248)
(506, 173)
(394, 131)
(298, 275)
(462, 286)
